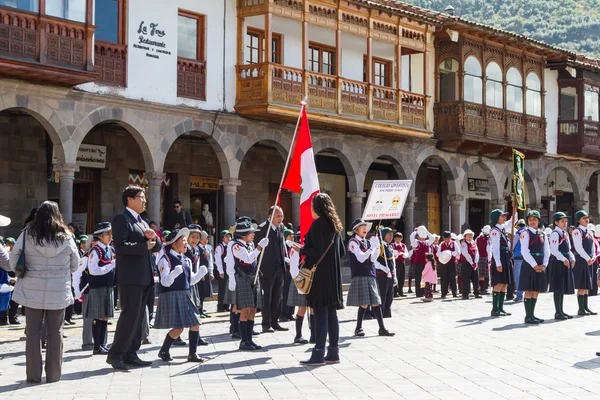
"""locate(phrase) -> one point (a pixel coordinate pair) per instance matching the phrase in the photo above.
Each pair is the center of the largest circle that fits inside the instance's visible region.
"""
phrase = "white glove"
(287, 260)
(231, 284)
(389, 275)
(395, 280)
(264, 242)
(374, 242)
(178, 270)
(395, 253)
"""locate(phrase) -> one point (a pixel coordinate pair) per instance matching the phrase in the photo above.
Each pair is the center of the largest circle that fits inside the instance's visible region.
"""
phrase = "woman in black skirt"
(536, 254)
(561, 264)
(176, 310)
(100, 304)
(585, 255)
(499, 254)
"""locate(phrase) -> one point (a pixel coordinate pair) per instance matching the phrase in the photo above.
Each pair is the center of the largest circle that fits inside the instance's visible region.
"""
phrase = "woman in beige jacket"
(45, 291)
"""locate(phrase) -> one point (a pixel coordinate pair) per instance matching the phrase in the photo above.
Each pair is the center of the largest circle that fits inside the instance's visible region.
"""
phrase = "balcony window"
(255, 45)
(381, 71)
(448, 81)
(473, 81)
(73, 10)
(514, 91)
(534, 95)
(321, 59)
(25, 5)
(106, 14)
(190, 29)
(493, 86)
(591, 103)
(568, 104)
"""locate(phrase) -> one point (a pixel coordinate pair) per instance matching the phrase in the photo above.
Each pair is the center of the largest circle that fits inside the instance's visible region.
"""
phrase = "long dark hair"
(48, 225)
(429, 257)
(323, 206)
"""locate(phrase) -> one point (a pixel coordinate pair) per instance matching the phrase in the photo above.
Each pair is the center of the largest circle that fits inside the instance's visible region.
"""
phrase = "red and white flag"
(302, 174)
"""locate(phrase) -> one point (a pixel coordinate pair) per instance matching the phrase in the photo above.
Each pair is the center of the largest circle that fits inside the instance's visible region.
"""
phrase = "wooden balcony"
(272, 91)
(191, 78)
(40, 48)
(110, 60)
(580, 138)
(478, 129)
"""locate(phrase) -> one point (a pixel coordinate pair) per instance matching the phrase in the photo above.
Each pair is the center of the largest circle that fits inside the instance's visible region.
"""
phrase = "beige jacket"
(47, 282)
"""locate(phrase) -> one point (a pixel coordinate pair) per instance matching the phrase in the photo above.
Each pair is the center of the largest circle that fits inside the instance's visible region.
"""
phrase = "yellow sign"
(204, 182)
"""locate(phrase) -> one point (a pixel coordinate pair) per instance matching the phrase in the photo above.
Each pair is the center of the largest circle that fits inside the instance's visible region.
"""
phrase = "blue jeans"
(517, 271)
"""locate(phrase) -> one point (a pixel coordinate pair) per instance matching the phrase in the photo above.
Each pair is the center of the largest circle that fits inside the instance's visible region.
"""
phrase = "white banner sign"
(386, 200)
(89, 155)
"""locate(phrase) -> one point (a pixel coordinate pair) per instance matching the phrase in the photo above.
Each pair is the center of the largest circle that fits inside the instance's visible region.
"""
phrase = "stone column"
(456, 202)
(295, 217)
(67, 175)
(229, 187)
(155, 180)
(356, 200)
(409, 217)
(579, 205)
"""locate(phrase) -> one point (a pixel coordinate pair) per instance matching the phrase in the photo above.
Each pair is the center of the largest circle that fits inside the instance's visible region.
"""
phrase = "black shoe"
(385, 332)
(455, 296)
(291, 318)
(137, 362)
(495, 314)
(568, 316)
(3, 323)
(312, 340)
(504, 313)
(254, 333)
(477, 296)
(69, 322)
(316, 359)
(205, 315)
(598, 354)
(179, 342)
(541, 321)
(280, 328)
(247, 346)
(284, 319)
(118, 364)
(146, 341)
(532, 321)
(582, 313)
(14, 322)
(101, 350)
(587, 310)
(202, 342)
(87, 347)
(256, 346)
(560, 317)
(165, 356)
(195, 358)
(359, 333)
(300, 340)
(443, 297)
(221, 309)
(236, 335)
(267, 330)
(465, 298)
(403, 295)
(410, 291)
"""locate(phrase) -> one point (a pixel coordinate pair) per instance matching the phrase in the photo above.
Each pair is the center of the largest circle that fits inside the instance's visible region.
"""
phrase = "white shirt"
(168, 276)
(494, 242)
(578, 243)
(464, 249)
(243, 254)
(455, 252)
(555, 238)
(229, 261)
(361, 255)
(415, 242)
(83, 263)
(94, 258)
(525, 239)
(219, 258)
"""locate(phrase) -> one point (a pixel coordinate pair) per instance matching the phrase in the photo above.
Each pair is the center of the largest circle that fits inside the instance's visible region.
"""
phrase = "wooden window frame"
(122, 22)
(389, 68)
(323, 47)
(261, 48)
(201, 19)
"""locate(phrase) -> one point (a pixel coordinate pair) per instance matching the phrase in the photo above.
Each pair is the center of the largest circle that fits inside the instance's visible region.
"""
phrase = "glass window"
(514, 91)
(591, 103)
(73, 10)
(321, 59)
(473, 81)
(448, 71)
(253, 49)
(187, 37)
(26, 5)
(493, 86)
(534, 95)
(107, 20)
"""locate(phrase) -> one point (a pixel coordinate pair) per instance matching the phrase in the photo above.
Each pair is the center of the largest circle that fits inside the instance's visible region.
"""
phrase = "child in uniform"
(469, 257)
(585, 255)
(297, 299)
(205, 284)
(220, 253)
(386, 269)
(499, 259)
(193, 253)
(401, 257)
(447, 271)
(482, 265)
(429, 277)
(562, 262)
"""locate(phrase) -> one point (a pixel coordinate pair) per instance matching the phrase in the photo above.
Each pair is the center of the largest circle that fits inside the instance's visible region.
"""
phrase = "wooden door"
(433, 212)
(83, 202)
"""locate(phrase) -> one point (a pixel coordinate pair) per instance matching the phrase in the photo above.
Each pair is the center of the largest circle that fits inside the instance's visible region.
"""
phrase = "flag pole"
(514, 208)
(287, 163)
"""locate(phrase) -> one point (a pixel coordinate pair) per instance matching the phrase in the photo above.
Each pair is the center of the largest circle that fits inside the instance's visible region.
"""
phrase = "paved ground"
(442, 350)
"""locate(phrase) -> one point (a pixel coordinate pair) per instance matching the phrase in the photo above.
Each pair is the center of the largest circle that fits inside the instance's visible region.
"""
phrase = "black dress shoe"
(101, 350)
(236, 335)
(69, 322)
(138, 362)
(588, 311)
(195, 358)
(560, 317)
(598, 354)
(118, 364)
(359, 333)
(205, 315)
(582, 313)
(179, 342)
(15, 322)
(385, 332)
(403, 295)
(267, 330)
(246, 346)
(280, 328)
(532, 321)
(285, 319)
(254, 333)
(300, 340)
(477, 296)
(202, 342)
(495, 314)
(165, 356)
(256, 346)
(146, 341)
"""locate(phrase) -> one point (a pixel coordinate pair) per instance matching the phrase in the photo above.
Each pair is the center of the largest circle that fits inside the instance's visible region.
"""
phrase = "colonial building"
(197, 101)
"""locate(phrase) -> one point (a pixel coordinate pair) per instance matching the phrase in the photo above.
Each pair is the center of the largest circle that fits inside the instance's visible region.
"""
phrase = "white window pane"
(472, 66)
(73, 10)
(187, 37)
(591, 105)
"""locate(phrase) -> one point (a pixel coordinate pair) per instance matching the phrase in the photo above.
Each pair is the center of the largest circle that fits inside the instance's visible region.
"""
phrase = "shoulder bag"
(20, 268)
(303, 281)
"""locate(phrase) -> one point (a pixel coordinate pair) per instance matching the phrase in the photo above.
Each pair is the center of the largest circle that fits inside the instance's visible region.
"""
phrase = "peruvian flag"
(302, 174)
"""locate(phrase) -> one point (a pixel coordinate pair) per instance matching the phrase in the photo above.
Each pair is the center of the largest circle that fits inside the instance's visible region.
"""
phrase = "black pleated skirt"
(531, 280)
(582, 274)
(560, 277)
(506, 277)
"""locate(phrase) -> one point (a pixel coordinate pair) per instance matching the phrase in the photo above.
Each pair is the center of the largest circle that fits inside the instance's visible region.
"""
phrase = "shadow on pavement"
(593, 363)
(474, 321)
(208, 367)
(514, 326)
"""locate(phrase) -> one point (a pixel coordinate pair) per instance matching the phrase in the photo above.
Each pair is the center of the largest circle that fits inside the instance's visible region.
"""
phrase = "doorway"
(476, 214)
(85, 193)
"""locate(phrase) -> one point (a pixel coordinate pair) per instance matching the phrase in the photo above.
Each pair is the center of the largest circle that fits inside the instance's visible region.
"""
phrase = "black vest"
(108, 279)
(587, 242)
(182, 282)
(536, 246)
(366, 268)
(386, 257)
(242, 267)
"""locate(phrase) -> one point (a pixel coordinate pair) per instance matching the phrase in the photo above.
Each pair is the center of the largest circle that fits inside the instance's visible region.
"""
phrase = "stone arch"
(447, 164)
(493, 176)
(577, 185)
(355, 176)
(126, 119)
(271, 137)
(399, 162)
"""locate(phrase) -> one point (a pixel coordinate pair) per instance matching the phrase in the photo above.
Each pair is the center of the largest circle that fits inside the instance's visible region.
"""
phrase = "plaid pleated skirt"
(411, 270)
(363, 291)
(482, 266)
(176, 310)
(296, 299)
(100, 303)
(247, 295)
(195, 293)
(229, 297)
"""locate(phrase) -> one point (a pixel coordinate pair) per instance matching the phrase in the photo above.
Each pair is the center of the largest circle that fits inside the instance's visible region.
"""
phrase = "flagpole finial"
(303, 102)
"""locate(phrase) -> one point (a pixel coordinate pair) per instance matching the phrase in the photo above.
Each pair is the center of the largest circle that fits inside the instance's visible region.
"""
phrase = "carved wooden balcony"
(110, 61)
(191, 78)
(45, 49)
(478, 129)
(271, 91)
(579, 137)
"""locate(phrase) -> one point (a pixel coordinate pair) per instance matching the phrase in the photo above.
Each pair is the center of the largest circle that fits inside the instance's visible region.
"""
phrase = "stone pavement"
(443, 350)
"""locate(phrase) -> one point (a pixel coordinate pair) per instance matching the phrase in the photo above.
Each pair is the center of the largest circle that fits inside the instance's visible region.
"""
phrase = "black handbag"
(21, 268)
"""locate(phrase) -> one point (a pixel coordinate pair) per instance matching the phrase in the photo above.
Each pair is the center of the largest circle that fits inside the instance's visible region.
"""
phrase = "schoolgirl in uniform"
(585, 256)
(469, 258)
(421, 241)
(401, 257)
(220, 254)
(175, 309)
(248, 295)
(385, 266)
(562, 262)
(80, 285)
(83, 239)
(205, 284)
(296, 299)
(363, 287)
(100, 305)
(447, 271)
(535, 249)
(193, 253)
(482, 265)
(500, 263)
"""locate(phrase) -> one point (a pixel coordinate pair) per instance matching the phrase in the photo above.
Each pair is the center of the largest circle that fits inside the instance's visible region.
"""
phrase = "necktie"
(139, 219)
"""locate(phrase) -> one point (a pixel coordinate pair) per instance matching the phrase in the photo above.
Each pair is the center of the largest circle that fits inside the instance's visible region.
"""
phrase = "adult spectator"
(272, 270)
(325, 297)
(51, 256)
(134, 243)
(180, 218)
(30, 217)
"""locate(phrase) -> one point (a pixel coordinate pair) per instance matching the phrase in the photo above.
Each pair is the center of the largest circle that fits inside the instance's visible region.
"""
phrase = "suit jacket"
(134, 261)
(274, 256)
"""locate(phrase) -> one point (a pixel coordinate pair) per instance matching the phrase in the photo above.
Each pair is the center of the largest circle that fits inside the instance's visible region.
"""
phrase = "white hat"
(548, 231)
(453, 236)
(358, 223)
(4, 221)
(460, 237)
(468, 232)
(445, 256)
(422, 232)
(486, 230)
(176, 235)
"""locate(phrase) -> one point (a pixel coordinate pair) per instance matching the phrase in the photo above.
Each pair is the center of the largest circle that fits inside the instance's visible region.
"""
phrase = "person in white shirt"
(585, 256)
(220, 253)
(562, 262)
(447, 271)
(499, 249)
(469, 258)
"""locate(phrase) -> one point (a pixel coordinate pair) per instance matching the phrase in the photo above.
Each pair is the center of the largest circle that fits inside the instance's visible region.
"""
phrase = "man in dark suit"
(272, 270)
(134, 243)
